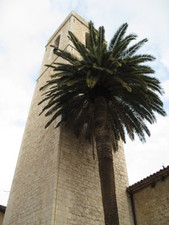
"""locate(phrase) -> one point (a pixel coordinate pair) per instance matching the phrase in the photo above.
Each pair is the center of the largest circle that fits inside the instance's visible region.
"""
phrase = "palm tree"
(103, 93)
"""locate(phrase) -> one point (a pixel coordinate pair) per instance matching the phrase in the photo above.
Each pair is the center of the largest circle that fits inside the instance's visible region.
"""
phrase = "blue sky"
(26, 26)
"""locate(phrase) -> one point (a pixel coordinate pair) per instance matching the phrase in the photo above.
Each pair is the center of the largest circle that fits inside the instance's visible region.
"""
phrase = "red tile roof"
(150, 180)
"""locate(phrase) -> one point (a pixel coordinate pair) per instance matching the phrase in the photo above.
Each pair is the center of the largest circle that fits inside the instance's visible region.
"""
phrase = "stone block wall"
(152, 203)
(56, 180)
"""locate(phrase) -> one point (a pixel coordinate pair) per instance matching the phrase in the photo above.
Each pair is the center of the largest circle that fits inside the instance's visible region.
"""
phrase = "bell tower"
(56, 180)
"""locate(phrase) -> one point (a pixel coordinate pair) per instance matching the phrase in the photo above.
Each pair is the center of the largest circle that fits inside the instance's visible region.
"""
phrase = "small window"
(57, 42)
(87, 40)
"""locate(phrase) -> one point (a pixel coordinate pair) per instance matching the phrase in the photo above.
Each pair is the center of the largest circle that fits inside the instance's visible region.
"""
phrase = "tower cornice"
(72, 13)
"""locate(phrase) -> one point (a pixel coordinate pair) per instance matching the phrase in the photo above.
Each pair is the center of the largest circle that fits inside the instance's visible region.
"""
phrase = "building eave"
(2, 208)
(149, 181)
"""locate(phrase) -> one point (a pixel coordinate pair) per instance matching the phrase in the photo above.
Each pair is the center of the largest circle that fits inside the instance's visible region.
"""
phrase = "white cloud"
(165, 85)
(165, 57)
(145, 159)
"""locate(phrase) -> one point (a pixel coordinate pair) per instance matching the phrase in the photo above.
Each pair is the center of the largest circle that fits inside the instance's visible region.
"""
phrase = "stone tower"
(56, 179)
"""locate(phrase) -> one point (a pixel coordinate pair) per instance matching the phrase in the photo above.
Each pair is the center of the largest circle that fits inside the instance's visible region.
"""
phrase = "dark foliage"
(114, 71)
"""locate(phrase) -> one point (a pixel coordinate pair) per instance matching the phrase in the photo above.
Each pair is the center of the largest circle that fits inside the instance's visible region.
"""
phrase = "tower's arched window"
(87, 39)
(57, 42)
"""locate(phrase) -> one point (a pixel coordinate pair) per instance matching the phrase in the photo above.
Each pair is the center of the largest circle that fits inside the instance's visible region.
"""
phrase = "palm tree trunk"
(105, 161)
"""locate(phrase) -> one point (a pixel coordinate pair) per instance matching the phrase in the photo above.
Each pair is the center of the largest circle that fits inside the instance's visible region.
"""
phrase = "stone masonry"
(56, 179)
(151, 199)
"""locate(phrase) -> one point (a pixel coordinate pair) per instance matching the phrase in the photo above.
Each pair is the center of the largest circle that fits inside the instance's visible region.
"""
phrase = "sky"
(25, 28)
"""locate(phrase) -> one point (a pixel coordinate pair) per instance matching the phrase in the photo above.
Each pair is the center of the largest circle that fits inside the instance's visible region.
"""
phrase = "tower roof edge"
(72, 13)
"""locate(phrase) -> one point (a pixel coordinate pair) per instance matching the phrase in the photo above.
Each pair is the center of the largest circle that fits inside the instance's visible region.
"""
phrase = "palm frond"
(114, 72)
(135, 47)
(118, 36)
